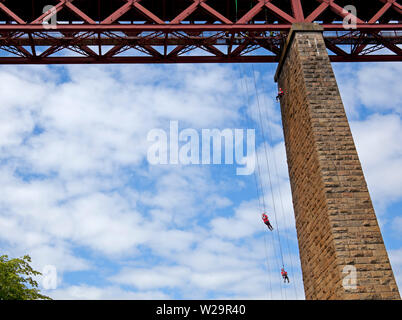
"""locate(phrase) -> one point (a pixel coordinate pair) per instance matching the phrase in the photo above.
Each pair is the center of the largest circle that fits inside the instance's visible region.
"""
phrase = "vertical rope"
(268, 166)
(283, 215)
(269, 175)
(261, 200)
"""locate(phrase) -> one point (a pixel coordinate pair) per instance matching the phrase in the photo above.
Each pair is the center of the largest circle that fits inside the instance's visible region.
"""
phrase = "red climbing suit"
(284, 275)
(266, 221)
(280, 94)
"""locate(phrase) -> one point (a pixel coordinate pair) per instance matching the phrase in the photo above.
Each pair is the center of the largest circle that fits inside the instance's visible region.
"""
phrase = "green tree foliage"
(16, 281)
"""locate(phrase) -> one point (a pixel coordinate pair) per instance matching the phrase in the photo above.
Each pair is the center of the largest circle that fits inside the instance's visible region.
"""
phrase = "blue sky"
(79, 194)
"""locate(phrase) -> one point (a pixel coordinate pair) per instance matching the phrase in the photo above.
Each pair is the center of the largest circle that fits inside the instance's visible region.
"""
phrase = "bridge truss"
(191, 31)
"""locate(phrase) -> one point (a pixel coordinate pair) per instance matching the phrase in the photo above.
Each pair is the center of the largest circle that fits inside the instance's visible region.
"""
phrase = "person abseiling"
(266, 221)
(284, 275)
(280, 94)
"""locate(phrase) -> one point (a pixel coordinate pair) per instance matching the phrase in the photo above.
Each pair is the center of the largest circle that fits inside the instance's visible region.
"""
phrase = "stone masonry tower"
(339, 237)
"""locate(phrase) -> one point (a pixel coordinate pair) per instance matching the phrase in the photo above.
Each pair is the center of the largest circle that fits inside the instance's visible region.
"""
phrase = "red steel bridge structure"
(191, 31)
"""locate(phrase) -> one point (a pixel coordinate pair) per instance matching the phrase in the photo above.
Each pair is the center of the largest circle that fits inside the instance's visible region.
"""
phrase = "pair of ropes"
(261, 187)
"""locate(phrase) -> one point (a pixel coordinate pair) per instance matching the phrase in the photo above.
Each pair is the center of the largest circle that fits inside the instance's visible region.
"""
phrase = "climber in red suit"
(266, 221)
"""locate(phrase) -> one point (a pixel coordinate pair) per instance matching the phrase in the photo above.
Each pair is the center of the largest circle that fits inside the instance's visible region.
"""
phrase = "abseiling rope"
(273, 247)
(283, 215)
(261, 200)
(268, 166)
(259, 116)
(261, 182)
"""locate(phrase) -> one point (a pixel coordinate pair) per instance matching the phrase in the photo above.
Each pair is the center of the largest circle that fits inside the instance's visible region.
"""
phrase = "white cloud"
(372, 86)
(73, 182)
(380, 153)
(81, 181)
(379, 87)
(395, 257)
(151, 278)
(245, 222)
(85, 292)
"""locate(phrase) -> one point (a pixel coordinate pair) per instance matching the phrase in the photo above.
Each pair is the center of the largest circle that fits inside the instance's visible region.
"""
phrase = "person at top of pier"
(280, 94)
(266, 221)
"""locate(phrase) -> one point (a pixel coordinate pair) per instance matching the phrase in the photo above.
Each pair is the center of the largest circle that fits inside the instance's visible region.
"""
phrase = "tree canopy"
(16, 282)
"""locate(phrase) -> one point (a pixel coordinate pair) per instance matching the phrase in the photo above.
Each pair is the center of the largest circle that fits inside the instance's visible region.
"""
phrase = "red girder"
(149, 31)
(297, 10)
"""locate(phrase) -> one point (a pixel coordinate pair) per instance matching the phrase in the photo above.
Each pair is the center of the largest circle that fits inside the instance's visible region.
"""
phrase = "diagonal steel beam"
(215, 13)
(61, 45)
(118, 13)
(252, 13)
(388, 44)
(335, 49)
(79, 13)
(320, 9)
(237, 51)
(184, 14)
(270, 47)
(115, 50)
(24, 51)
(152, 51)
(380, 12)
(279, 13)
(50, 12)
(148, 14)
(176, 51)
(86, 50)
(395, 5)
(14, 48)
(11, 14)
(212, 49)
(297, 10)
(340, 11)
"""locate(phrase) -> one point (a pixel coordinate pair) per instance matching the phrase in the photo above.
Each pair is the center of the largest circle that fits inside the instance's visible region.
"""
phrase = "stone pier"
(341, 247)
